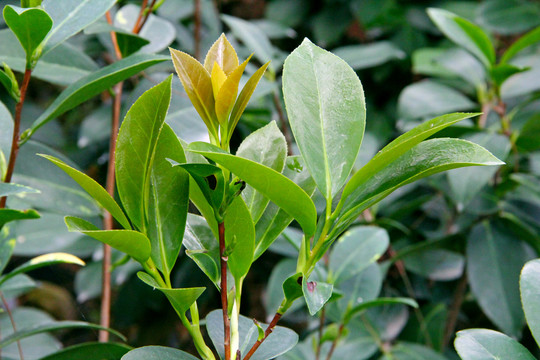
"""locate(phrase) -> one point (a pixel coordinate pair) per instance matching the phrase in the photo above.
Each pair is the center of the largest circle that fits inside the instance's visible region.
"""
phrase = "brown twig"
(453, 311)
(224, 300)
(10, 315)
(283, 123)
(334, 343)
(16, 129)
(197, 30)
(267, 333)
(137, 26)
(146, 15)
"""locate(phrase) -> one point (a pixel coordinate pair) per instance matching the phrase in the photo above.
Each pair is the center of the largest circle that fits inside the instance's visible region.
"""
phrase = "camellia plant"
(245, 201)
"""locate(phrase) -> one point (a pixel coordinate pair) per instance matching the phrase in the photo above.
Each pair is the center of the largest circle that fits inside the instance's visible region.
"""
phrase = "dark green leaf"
(94, 189)
(292, 287)
(480, 344)
(210, 181)
(157, 353)
(369, 55)
(528, 136)
(71, 16)
(530, 296)
(90, 351)
(278, 342)
(508, 17)
(168, 201)
(53, 326)
(326, 108)
(266, 146)
(436, 264)
(92, 85)
(412, 351)
(7, 215)
(500, 73)
(282, 191)
(180, 299)
(360, 308)
(133, 243)
(135, 150)
(316, 294)
(30, 26)
(240, 238)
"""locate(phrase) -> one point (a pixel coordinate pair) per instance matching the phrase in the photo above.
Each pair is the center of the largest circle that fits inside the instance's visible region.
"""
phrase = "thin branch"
(283, 122)
(453, 311)
(321, 328)
(267, 333)
(16, 129)
(146, 15)
(334, 343)
(137, 26)
(197, 30)
(224, 300)
(10, 314)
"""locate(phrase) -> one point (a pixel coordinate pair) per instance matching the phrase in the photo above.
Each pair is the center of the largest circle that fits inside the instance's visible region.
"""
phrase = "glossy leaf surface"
(157, 353)
(239, 237)
(133, 243)
(11, 189)
(93, 84)
(316, 294)
(136, 147)
(282, 191)
(222, 53)
(530, 296)
(201, 246)
(326, 108)
(94, 189)
(8, 215)
(479, 344)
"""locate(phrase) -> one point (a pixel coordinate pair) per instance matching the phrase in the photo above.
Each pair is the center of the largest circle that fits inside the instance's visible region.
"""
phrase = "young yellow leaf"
(227, 93)
(224, 54)
(218, 78)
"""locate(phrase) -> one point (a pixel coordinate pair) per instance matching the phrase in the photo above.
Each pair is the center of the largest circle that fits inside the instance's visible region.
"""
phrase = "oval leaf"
(90, 351)
(157, 353)
(530, 296)
(480, 344)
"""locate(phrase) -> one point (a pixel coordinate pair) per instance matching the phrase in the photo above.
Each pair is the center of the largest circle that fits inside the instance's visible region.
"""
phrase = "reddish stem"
(224, 300)
(267, 332)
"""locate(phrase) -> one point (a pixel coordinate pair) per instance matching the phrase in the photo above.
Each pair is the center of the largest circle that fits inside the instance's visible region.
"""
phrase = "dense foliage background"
(458, 240)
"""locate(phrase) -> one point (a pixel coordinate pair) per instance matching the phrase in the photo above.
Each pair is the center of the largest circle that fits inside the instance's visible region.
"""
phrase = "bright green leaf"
(133, 243)
(522, 43)
(240, 237)
(282, 191)
(94, 189)
(7, 215)
(326, 108)
(501, 72)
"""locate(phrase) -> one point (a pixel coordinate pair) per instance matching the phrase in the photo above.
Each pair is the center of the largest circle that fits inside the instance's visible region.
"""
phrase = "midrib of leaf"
(485, 349)
(164, 263)
(325, 155)
(60, 24)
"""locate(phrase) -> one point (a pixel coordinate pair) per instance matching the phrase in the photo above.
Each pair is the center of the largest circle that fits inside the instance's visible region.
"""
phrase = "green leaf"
(11, 189)
(282, 191)
(92, 85)
(360, 308)
(326, 108)
(94, 189)
(508, 17)
(30, 26)
(530, 38)
(53, 326)
(277, 343)
(201, 246)
(6, 249)
(180, 299)
(425, 159)
(90, 351)
(316, 294)
(435, 264)
(491, 246)
(412, 351)
(198, 86)
(266, 146)
(71, 16)
(369, 55)
(128, 42)
(274, 220)
(8, 80)
(41, 261)
(168, 201)
(429, 98)
(465, 34)
(133, 243)
(157, 353)
(528, 135)
(209, 179)
(501, 72)
(480, 344)
(135, 150)
(530, 296)
(8, 215)
(355, 250)
(292, 287)
(240, 237)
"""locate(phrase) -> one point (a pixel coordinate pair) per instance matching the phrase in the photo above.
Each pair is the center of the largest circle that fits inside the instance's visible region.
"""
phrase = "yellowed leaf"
(227, 94)
(218, 78)
(224, 54)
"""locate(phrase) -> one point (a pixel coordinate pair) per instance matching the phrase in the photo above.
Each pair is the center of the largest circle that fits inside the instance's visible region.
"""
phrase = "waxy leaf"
(157, 353)
(201, 246)
(222, 53)
(7, 215)
(72, 16)
(168, 201)
(53, 326)
(90, 351)
(239, 237)
(360, 308)
(267, 146)
(480, 344)
(180, 299)
(210, 181)
(530, 38)
(92, 85)
(11, 189)
(41, 261)
(530, 296)
(94, 189)
(326, 108)
(316, 294)
(30, 26)
(278, 342)
(198, 85)
(282, 191)
(464, 33)
(425, 159)
(133, 243)
(135, 150)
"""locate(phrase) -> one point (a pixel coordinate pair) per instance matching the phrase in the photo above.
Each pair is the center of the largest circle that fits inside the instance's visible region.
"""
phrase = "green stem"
(195, 333)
